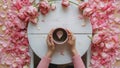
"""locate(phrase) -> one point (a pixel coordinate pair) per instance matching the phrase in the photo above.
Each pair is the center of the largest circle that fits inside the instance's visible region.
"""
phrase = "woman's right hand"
(71, 43)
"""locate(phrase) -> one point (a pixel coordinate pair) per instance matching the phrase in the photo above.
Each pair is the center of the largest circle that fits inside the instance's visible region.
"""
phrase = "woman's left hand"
(51, 45)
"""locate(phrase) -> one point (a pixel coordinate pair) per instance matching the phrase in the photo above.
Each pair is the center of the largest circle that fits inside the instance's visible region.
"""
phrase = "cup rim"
(63, 41)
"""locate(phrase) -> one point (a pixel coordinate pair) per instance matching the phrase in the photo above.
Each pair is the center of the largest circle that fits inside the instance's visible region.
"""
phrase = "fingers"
(74, 38)
(49, 37)
(70, 34)
(50, 40)
(52, 45)
(50, 33)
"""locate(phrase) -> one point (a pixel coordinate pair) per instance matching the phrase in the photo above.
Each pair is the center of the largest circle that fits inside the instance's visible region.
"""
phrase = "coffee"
(59, 35)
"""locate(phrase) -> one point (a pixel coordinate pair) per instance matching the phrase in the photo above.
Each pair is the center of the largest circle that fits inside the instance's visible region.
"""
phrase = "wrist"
(49, 54)
(74, 52)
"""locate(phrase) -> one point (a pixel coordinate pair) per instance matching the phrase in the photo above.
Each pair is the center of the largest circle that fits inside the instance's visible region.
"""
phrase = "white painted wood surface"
(66, 18)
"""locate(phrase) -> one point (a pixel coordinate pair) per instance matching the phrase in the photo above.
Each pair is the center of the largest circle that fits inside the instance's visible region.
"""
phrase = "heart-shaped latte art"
(59, 34)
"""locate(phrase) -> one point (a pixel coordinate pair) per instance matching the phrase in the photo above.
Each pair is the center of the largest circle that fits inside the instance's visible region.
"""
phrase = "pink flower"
(18, 4)
(21, 16)
(105, 37)
(87, 12)
(32, 11)
(44, 7)
(96, 39)
(65, 3)
(110, 44)
(105, 43)
(14, 50)
(82, 5)
(28, 13)
(33, 14)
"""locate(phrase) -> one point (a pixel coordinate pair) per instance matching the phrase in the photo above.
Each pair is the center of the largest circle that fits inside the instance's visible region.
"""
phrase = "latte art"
(59, 35)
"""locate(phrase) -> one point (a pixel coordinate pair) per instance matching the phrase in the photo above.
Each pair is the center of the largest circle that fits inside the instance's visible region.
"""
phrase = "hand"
(51, 45)
(71, 43)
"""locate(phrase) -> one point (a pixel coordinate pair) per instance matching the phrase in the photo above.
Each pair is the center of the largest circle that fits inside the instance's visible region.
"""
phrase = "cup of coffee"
(60, 36)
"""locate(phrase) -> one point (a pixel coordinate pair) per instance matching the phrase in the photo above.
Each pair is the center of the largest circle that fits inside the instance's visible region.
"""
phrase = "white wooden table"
(65, 18)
